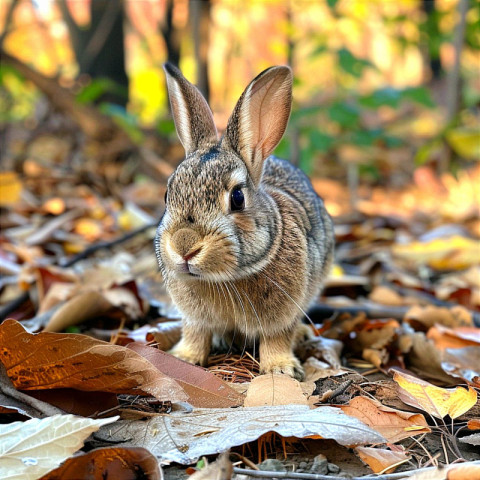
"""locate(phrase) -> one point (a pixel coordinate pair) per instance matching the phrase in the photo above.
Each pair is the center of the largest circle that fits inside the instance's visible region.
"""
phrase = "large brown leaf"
(203, 388)
(66, 360)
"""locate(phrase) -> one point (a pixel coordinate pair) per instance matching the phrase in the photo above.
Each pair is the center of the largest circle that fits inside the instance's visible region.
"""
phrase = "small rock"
(320, 465)
(303, 465)
(272, 465)
(332, 468)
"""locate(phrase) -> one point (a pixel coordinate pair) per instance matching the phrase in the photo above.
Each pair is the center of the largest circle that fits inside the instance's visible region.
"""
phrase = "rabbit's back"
(281, 176)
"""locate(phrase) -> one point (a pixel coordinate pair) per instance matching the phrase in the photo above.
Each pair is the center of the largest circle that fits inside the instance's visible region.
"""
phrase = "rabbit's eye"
(237, 200)
(166, 195)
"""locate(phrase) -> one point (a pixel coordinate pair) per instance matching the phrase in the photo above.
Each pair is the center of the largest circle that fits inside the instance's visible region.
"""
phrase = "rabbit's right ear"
(191, 113)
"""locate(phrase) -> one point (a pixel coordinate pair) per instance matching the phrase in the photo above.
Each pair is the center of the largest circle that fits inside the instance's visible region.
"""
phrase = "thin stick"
(101, 245)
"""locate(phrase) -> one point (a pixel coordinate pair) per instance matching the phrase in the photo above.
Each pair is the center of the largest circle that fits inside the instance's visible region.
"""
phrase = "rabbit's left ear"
(260, 118)
(191, 113)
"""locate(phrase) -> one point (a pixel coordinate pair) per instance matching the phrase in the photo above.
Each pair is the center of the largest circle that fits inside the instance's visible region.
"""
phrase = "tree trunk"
(100, 49)
(200, 23)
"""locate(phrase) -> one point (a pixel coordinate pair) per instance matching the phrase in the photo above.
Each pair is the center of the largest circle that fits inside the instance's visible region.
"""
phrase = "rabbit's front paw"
(288, 365)
(189, 354)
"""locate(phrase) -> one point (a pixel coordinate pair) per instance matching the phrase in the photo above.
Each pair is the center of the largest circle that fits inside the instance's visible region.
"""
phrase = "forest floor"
(392, 380)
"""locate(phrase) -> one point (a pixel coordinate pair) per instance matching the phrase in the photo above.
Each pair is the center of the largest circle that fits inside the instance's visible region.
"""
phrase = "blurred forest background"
(386, 94)
(384, 86)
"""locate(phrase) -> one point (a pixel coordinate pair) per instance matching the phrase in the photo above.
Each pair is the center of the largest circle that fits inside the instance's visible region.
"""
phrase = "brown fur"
(252, 272)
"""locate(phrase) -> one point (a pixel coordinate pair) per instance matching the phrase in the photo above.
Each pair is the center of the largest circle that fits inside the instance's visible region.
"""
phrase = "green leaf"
(345, 114)
(318, 51)
(418, 95)
(166, 126)
(384, 96)
(332, 3)
(124, 120)
(321, 142)
(352, 64)
(98, 87)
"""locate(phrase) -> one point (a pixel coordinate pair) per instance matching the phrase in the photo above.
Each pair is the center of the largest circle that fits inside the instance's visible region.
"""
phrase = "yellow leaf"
(10, 188)
(465, 141)
(436, 401)
(452, 253)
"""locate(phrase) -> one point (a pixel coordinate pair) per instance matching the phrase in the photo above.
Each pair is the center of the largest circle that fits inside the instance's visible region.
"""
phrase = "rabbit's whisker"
(288, 295)
(244, 316)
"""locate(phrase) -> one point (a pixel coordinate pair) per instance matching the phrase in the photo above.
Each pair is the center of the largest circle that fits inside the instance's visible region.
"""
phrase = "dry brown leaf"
(315, 369)
(393, 424)
(81, 307)
(116, 463)
(274, 389)
(62, 360)
(436, 401)
(426, 360)
(386, 296)
(458, 337)
(381, 460)
(426, 317)
(464, 472)
(203, 388)
(463, 363)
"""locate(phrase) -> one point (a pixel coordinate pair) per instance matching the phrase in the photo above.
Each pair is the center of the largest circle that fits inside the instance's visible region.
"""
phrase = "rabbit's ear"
(191, 113)
(260, 118)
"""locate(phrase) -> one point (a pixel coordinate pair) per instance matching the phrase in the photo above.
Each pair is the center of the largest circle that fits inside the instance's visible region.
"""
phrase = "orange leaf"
(118, 463)
(436, 401)
(394, 425)
(459, 337)
(66, 360)
(10, 188)
(474, 424)
(380, 459)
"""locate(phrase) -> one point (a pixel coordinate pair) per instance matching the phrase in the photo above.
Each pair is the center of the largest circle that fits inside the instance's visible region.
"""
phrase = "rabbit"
(245, 243)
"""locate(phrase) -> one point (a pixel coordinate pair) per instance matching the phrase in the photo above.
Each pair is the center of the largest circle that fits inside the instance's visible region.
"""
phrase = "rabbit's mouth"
(187, 269)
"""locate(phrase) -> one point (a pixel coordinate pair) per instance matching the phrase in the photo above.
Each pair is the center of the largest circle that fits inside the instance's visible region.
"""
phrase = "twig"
(321, 311)
(314, 476)
(10, 307)
(101, 245)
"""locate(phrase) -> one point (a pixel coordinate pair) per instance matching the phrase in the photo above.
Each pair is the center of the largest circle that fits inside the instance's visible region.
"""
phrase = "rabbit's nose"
(183, 242)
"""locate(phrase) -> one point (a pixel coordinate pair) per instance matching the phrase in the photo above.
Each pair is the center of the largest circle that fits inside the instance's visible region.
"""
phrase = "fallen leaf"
(436, 401)
(31, 449)
(458, 337)
(463, 363)
(221, 469)
(66, 360)
(471, 439)
(381, 460)
(184, 437)
(474, 424)
(10, 189)
(393, 424)
(115, 463)
(426, 360)
(426, 317)
(451, 253)
(386, 296)
(204, 389)
(315, 369)
(274, 389)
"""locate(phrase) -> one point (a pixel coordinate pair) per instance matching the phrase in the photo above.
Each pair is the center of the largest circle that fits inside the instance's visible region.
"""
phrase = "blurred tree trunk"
(171, 35)
(431, 51)
(200, 22)
(100, 49)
